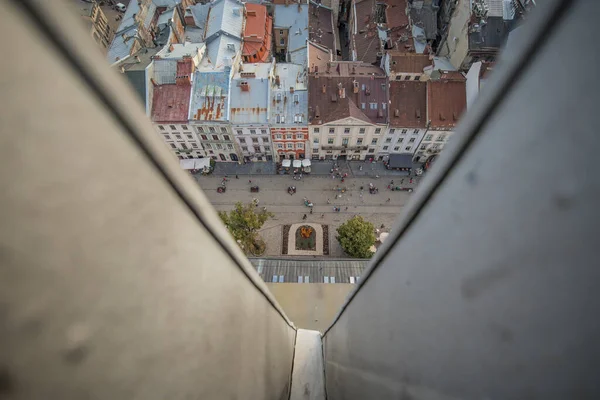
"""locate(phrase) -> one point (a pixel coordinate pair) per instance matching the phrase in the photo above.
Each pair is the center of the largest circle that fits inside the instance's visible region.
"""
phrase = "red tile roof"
(170, 103)
(409, 63)
(408, 104)
(446, 101)
(257, 33)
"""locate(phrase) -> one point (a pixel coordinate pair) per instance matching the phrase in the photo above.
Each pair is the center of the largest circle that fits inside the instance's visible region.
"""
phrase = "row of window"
(218, 146)
(225, 138)
(256, 149)
(347, 131)
(298, 119)
(289, 136)
(298, 145)
(210, 129)
(306, 279)
(252, 131)
(184, 146)
(396, 148)
(172, 127)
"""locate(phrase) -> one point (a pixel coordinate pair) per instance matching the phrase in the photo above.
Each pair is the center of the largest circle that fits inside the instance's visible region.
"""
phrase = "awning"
(286, 163)
(186, 164)
(400, 160)
(306, 162)
(297, 164)
(202, 163)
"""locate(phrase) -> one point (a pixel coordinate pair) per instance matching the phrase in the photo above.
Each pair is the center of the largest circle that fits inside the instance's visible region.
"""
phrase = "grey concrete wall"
(117, 280)
(487, 289)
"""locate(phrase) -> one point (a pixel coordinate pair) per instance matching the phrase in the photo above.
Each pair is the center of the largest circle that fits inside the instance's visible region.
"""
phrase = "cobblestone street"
(290, 209)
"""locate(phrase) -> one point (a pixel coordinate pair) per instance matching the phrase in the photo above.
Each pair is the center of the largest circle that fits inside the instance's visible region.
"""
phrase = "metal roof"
(179, 50)
(317, 271)
(165, 71)
(285, 103)
(225, 17)
(250, 107)
(210, 99)
(220, 52)
(295, 18)
(119, 48)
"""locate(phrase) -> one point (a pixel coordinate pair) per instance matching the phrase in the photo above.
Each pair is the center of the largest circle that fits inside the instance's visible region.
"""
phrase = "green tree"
(243, 222)
(356, 236)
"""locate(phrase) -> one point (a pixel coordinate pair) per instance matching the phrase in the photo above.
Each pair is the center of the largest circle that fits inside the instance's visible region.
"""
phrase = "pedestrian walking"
(304, 216)
(346, 208)
(311, 210)
(322, 215)
(237, 177)
(388, 200)
(249, 180)
(328, 201)
(392, 182)
(411, 180)
(401, 181)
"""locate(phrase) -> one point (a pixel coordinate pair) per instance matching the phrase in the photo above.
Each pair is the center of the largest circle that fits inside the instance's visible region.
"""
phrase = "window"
(278, 136)
(200, 129)
(219, 146)
(388, 140)
(267, 148)
(178, 137)
(278, 118)
(296, 98)
(253, 131)
(185, 128)
(361, 131)
(404, 131)
(281, 32)
(407, 148)
(280, 145)
(299, 136)
(362, 105)
(359, 141)
(229, 146)
(263, 131)
(316, 130)
(282, 42)
(316, 140)
(239, 131)
(373, 106)
(173, 145)
(428, 138)
(195, 145)
(346, 131)
(374, 141)
(299, 145)
(172, 127)
(423, 146)
(345, 142)
(298, 118)
(290, 145)
(330, 141)
(223, 130)
(383, 106)
(244, 148)
(371, 151)
(225, 137)
(416, 132)
(190, 137)
(162, 128)
(440, 138)
(392, 130)
(377, 131)
(278, 97)
(208, 146)
(254, 140)
(289, 136)
(396, 148)
(331, 131)
(385, 148)
(400, 140)
(183, 146)
(211, 152)
(257, 149)
(211, 129)
(215, 137)
(412, 140)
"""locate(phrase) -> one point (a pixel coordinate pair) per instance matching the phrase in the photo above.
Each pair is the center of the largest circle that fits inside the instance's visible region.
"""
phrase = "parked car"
(121, 7)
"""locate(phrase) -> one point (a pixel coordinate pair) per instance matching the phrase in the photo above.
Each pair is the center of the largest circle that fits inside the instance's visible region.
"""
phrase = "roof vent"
(236, 11)
(231, 46)
(317, 113)
(396, 113)
(251, 13)
(333, 98)
(355, 86)
(418, 114)
(367, 91)
(244, 86)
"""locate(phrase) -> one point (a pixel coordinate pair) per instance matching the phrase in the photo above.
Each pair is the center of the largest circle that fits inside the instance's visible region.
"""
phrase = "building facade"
(249, 110)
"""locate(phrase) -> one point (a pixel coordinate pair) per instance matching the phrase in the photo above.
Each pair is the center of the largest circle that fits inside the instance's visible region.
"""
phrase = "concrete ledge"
(308, 381)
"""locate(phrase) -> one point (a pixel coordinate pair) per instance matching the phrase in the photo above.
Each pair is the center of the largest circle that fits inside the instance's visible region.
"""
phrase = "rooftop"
(170, 103)
(408, 62)
(226, 17)
(321, 28)
(366, 41)
(447, 99)
(137, 16)
(408, 104)
(318, 57)
(210, 99)
(491, 35)
(339, 94)
(294, 17)
(424, 15)
(180, 50)
(257, 32)
(250, 94)
(289, 99)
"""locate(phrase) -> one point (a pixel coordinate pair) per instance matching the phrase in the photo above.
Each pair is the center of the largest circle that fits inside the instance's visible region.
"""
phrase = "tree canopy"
(243, 222)
(356, 236)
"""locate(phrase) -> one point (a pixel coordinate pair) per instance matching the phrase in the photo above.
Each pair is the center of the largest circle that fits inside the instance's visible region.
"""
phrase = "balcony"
(344, 147)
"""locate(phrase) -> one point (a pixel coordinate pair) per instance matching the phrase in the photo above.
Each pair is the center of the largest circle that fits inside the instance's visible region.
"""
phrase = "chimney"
(354, 70)
(137, 59)
(277, 81)
(355, 86)
(153, 82)
(245, 86)
(367, 91)
(324, 89)
(317, 113)
(189, 18)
